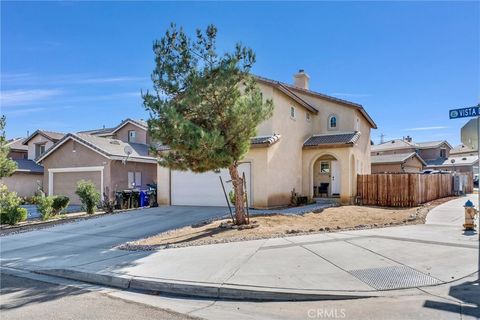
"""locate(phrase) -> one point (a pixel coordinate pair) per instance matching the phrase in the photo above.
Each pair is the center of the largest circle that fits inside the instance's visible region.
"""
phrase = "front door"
(336, 177)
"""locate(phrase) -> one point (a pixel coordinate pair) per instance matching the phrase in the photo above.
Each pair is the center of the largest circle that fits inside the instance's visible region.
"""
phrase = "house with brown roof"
(312, 142)
(402, 162)
(113, 159)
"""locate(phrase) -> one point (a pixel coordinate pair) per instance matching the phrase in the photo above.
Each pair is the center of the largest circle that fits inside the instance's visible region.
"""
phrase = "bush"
(10, 210)
(60, 203)
(89, 196)
(44, 206)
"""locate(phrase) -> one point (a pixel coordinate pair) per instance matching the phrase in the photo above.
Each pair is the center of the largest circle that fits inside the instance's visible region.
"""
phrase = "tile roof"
(458, 161)
(264, 141)
(98, 131)
(290, 88)
(395, 158)
(112, 148)
(17, 144)
(335, 139)
(51, 135)
(24, 165)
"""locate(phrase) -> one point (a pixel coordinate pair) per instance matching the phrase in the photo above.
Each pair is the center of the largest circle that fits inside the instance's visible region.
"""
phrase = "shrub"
(44, 206)
(60, 203)
(89, 196)
(10, 210)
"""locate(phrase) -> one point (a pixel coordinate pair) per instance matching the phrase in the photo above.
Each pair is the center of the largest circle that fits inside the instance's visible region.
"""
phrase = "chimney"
(301, 79)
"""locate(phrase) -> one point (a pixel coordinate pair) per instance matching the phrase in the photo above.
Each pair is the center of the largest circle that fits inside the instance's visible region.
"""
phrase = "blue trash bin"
(142, 199)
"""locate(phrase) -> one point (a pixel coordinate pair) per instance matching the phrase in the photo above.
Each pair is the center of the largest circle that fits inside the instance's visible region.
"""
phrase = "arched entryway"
(326, 174)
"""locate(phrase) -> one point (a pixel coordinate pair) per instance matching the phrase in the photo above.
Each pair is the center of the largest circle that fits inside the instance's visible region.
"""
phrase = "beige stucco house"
(311, 140)
(114, 159)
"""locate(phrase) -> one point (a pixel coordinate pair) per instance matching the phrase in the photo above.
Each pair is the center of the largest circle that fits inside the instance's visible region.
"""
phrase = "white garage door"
(204, 189)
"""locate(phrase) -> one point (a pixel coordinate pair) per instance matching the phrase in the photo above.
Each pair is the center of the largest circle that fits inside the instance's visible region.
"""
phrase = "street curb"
(201, 290)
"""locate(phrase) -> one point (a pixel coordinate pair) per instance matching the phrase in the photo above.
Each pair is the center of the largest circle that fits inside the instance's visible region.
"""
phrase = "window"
(292, 112)
(132, 136)
(308, 117)
(134, 179)
(357, 125)
(324, 167)
(332, 122)
(443, 153)
(39, 150)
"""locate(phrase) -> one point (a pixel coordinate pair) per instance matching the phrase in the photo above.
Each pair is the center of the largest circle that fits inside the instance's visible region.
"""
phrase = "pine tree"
(205, 105)
(7, 166)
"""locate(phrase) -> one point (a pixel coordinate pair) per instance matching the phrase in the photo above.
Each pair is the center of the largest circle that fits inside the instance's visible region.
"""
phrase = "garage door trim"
(74, 169)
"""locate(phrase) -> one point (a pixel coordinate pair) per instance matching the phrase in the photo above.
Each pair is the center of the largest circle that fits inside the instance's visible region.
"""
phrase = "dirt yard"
(271, 226)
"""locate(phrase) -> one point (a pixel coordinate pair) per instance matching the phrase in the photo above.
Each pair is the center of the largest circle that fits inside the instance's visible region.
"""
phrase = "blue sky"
(70, 66)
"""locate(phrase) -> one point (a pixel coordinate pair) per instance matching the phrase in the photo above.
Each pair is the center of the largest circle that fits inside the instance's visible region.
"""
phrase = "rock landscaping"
(331, 219)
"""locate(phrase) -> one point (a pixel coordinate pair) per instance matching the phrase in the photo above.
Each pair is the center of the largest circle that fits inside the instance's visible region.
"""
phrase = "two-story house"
(313, 143)
(405, 155)
(114, 159)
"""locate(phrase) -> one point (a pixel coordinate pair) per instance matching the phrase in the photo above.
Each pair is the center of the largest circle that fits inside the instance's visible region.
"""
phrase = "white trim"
(74, 169)
(133, 159)
(125, 122)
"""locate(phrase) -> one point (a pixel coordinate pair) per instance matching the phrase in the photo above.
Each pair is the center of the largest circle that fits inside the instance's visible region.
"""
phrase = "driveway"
(92, 240)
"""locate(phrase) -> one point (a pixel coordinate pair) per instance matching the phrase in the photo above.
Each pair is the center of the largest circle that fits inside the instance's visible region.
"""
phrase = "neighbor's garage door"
(65, 183)
(204, 189)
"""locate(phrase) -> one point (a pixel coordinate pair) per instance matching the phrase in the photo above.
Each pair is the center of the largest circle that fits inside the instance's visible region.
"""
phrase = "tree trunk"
(237, 181)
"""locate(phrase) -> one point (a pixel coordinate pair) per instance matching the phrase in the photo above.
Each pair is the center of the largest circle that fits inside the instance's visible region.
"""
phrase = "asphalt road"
(93, 240)
(23, 298)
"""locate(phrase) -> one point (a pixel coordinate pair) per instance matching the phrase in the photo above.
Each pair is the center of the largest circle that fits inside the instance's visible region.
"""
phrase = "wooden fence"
(405, 189)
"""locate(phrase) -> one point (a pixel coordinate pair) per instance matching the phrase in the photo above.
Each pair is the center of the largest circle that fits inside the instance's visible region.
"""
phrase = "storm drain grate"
(394, 277)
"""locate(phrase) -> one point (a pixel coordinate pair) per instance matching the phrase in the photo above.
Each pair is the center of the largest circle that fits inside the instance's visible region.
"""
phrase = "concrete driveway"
(88, 241)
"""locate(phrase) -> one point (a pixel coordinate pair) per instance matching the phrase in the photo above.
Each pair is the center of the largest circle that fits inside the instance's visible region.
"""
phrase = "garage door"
(65, 183)
(204, 189)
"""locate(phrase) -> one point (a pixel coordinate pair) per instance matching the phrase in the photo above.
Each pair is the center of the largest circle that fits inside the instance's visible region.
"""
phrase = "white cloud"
(18, 97)
(66, 79)
(22, 112)
(427, 128)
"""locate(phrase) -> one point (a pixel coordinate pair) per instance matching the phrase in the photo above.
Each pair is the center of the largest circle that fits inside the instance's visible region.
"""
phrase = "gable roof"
(404, 144)
(96, 132)
(395, 158)
(292, 90)
(16, 144)
(332, 139)
(139, 123)
(110, 148)
(50, 135)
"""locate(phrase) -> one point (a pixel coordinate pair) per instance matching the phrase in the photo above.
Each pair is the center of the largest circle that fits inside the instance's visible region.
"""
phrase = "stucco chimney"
(301, 79)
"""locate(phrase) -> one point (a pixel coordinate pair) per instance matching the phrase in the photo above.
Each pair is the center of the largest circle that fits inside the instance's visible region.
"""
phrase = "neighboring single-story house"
(26, 179)
(311, 139)
(391, 163)
(112, 164)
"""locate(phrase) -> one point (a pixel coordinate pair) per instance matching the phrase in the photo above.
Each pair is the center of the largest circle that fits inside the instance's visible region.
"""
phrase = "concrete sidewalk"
(329, 265)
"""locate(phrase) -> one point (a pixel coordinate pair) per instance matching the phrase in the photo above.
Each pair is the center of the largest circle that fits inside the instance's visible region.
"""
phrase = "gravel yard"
(280, 225)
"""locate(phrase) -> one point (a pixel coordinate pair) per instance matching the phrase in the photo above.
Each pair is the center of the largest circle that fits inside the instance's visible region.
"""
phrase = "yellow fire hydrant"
(470, 213)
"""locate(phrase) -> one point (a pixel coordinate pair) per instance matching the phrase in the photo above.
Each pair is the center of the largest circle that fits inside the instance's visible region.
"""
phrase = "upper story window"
(39, 149)
(357, 124)
(333, 122)
(308, 116)
(132, 136)
(443, 153)
(292, 112)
